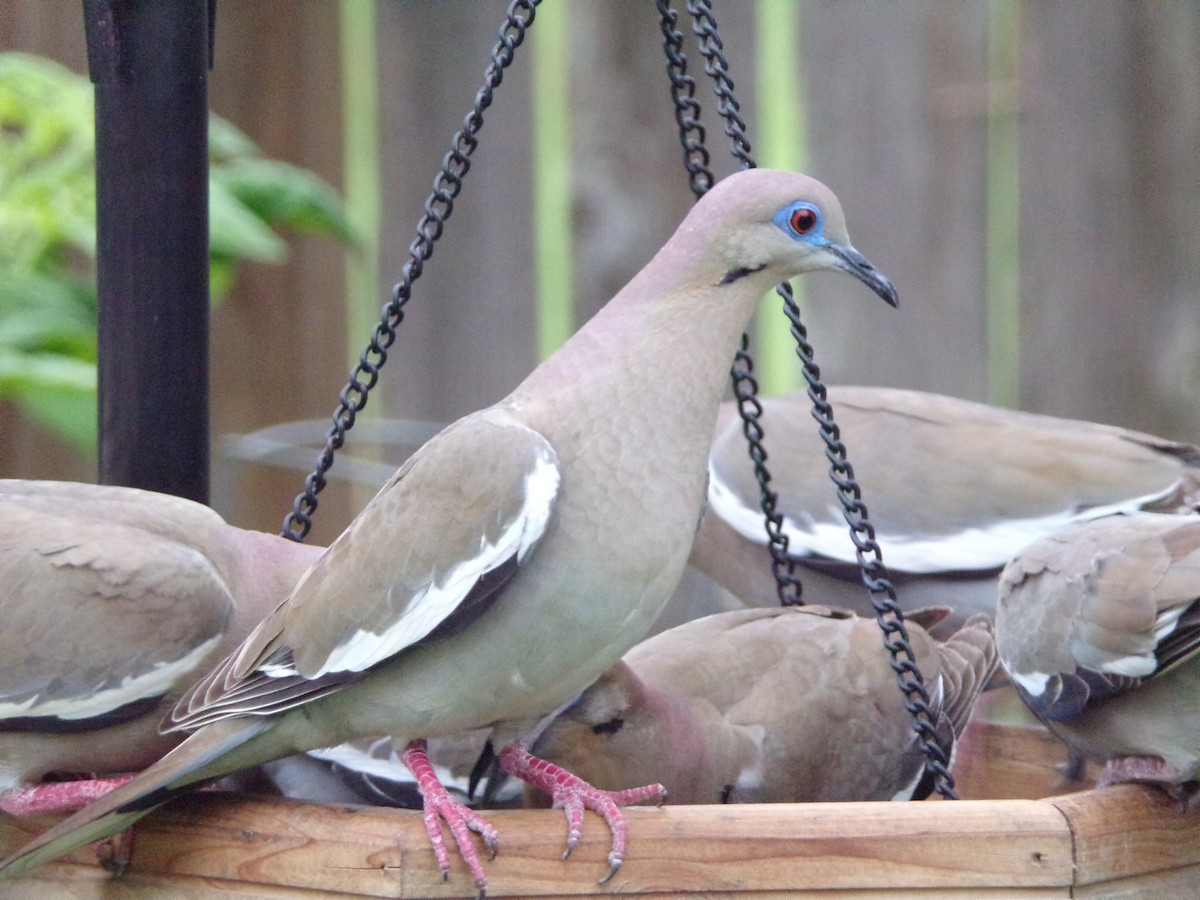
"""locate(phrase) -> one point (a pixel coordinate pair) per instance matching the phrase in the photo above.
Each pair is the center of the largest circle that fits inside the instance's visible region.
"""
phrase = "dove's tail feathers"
(202, 758)
(969, 660)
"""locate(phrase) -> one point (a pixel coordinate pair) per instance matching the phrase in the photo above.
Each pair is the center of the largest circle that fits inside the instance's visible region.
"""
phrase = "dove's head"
(761, 220)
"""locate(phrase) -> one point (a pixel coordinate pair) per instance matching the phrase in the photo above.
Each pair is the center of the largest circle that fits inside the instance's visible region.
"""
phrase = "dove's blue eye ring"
(801, 220)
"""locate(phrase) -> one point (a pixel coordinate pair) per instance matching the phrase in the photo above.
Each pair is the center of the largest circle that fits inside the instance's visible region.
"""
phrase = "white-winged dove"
(954, 489)
(1098, 626)
(791, 704)
(522, 551)
(114, 601)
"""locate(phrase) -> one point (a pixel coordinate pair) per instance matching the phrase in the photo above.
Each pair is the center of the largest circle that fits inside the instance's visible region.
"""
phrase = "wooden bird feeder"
(1127, 841)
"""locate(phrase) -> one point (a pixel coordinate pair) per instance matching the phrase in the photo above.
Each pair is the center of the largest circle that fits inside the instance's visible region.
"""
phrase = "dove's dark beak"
(853, 262)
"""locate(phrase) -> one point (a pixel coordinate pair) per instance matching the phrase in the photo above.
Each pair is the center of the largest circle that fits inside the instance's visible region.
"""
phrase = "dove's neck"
(262, 569)
(666, 335)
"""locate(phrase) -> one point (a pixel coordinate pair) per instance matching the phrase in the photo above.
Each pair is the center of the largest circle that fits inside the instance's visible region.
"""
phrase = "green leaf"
(54, 390)
(40, 371)
(283, 194)
(48, 225)
(235, 231)
(222, 271)
(226, 141)
(70, 415)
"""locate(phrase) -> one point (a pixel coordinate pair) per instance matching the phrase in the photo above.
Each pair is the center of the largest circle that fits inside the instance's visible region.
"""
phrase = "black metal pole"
(149, 61)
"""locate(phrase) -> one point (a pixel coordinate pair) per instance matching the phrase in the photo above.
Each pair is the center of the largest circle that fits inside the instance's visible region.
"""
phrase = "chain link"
(438, 207)
(862, 532)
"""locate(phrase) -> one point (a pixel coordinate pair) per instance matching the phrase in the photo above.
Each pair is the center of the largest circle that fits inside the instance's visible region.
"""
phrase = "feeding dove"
(783, 705)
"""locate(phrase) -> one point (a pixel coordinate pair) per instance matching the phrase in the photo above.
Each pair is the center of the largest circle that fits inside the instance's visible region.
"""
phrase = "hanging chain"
(438, 207)
(862, 532)
(687, 107)
(716, 68)
(745, 388)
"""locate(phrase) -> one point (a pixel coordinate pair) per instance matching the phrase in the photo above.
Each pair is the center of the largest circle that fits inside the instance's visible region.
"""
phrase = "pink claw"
(461, 819)
(573, 795)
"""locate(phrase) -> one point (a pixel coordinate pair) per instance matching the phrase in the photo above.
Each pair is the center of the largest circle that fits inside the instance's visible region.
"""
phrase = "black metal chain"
(716, 68)
(687, 107)
(438, 207)
(862, 533)
(745, 388)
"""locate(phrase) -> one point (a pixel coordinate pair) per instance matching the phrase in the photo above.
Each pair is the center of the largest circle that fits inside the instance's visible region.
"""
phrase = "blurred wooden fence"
(898, 100)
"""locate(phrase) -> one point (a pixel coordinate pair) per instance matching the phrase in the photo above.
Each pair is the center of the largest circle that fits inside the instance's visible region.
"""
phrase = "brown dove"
(1098, 626)
(519, 553)
(114, 601)
(782, 705)
(954, 489)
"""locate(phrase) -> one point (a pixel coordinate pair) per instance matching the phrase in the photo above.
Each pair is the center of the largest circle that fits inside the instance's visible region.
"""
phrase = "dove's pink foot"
(573, 795)
(1152, 770)
(71, 796)
(57, 796)
(461, 819)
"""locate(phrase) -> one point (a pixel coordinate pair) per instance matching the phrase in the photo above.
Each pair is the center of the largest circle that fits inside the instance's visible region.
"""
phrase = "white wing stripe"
(152, 683)
(427, 609)
(1034, 683)
(541, 487)
(970, 549)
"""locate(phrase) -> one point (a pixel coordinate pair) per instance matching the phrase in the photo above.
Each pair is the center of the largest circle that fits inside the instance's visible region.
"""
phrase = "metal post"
(149, 61)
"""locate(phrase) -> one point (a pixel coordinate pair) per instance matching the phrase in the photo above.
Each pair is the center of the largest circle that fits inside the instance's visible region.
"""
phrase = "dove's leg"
(57, 796)
(71, 796)
(573, 795)
(461, 819)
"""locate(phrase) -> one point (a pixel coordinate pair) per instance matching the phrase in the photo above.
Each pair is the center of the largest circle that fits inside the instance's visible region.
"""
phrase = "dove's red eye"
(803, 220)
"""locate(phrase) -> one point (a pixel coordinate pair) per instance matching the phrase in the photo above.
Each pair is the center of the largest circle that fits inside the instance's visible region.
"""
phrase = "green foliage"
(48, 224)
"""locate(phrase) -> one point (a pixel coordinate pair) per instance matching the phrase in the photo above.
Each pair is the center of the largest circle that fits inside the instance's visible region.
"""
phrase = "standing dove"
(114, 601)
(954, 489)
(520, 552)
(783, 705)
(1098, 626)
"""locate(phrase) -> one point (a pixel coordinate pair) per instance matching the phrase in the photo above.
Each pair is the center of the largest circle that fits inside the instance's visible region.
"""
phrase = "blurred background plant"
(48, 225)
